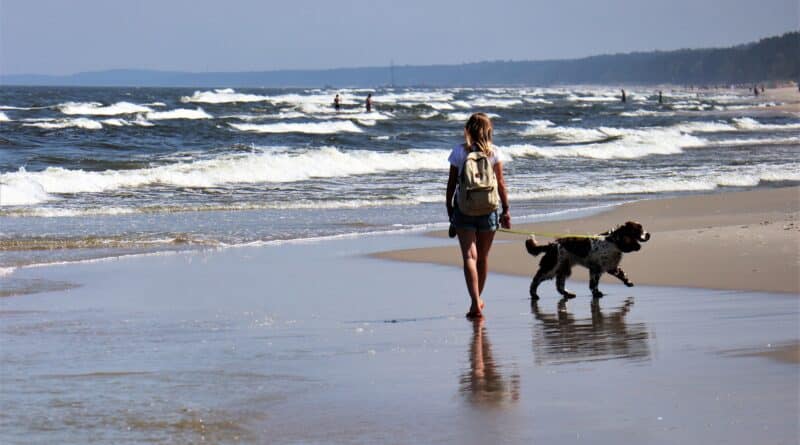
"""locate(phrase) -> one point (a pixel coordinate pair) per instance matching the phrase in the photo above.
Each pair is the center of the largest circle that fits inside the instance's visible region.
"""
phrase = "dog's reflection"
(483, 384)
(561, 338)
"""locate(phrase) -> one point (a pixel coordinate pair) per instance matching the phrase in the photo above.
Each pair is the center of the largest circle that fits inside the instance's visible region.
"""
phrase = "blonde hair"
(478, 133)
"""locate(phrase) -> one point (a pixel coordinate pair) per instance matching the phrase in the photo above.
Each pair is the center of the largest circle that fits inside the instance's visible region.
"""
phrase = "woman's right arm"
(451, 190)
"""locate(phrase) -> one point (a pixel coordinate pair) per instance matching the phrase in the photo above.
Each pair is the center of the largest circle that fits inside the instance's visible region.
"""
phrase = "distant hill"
(769, 59)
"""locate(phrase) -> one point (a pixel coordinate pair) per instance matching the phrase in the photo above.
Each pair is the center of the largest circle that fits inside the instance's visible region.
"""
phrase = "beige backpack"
(477, 186)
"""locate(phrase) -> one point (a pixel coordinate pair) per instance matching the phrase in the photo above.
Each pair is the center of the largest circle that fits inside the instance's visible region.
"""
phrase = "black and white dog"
(599, 255)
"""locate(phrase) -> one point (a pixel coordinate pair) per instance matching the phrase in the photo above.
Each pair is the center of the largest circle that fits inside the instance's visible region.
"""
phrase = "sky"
(59, 37)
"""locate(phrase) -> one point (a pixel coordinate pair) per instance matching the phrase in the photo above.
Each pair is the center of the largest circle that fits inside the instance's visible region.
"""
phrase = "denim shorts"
(482, 223)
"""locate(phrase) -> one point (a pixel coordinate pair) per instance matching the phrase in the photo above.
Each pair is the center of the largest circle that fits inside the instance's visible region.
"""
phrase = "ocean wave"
(642, 112)
(483, 102)
(420, 97)
(306, 127)
(267, 166)
(545, 128)
(463, 117)
(613, 143)
(743, 177)
(52, 124)
(117, 122)
(537, 100)
(97, 109)
(179, 113)
(223, 96)
(747, 123)
(3, 117)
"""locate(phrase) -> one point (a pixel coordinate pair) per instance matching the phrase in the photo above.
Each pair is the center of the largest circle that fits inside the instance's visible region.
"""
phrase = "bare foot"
(474, 315)
(476, 311)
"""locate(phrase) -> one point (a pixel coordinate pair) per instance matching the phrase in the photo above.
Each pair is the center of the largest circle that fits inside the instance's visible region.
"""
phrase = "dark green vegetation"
(773, 58)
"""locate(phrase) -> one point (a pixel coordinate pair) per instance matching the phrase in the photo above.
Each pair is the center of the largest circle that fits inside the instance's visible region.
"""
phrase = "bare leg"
(469, 254)
(484, 244)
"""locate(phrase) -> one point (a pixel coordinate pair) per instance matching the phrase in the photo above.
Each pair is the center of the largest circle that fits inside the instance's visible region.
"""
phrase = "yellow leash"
(548, 235)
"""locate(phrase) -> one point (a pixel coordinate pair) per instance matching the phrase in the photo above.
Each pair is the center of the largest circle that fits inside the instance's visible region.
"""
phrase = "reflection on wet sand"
(561, 338)
(483, 384)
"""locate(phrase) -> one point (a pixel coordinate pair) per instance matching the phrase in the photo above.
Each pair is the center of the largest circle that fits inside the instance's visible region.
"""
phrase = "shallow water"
(95, 172)
(316, 343)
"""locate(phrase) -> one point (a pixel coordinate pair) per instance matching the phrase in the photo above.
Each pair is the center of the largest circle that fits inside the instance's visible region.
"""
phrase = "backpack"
(477, 186)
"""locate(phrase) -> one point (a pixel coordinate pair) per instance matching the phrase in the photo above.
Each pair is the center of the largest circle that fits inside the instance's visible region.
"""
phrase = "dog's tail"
(534, 248)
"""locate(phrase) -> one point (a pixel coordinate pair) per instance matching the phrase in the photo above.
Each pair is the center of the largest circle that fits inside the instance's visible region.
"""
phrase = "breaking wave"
(307, 127)
(53, 124)
(179, 113)
(267, 166)
(222, 96)
(98, 109)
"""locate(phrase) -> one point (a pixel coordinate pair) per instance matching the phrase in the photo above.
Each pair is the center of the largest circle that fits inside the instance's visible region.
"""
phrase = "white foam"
(484, 102)
(17, 189)
(631, 144)
(463, 117)
(223, 96)
(6, 271)
(268, 165)
(80, 122)
(642, 112)
(97, 109)
(746, 123)
(537, 101)
(3, 117)
(329, 127)
(441, 106)
(179, 113)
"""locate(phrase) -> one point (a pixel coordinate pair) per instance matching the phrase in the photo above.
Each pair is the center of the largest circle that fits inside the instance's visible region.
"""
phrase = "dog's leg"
(540, 276)
(594, 280)
(561, 280)
(546, 271)
(619, 273)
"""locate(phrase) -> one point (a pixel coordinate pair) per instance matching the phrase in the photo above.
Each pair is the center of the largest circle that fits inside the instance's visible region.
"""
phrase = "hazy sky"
(61, 37)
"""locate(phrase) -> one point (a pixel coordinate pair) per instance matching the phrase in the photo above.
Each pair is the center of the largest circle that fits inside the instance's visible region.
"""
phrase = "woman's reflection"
(483, 384)
(561, 338)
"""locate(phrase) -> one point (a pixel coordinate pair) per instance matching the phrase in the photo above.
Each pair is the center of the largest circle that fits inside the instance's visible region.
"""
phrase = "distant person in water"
(474, 228)
(762, 88)
(660, 98)
(336, 103)
(368, 102)
(755, 90)
(624, 99)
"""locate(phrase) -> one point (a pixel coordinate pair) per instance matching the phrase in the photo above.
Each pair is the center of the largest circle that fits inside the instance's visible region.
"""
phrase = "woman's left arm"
(505, 216)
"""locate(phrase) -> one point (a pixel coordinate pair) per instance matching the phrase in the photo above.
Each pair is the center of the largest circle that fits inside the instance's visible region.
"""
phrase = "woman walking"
(477, 184)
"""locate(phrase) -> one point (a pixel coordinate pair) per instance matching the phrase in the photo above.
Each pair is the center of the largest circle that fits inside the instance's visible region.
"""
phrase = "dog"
(599, 255)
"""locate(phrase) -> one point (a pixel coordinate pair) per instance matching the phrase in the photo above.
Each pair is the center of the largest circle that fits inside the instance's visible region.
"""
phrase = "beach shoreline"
(746, 240)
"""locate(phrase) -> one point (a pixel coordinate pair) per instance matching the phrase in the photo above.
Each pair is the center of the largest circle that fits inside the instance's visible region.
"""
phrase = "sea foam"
(97, 109)
(306, 127)
(52, 124)
(179, 113)
(269, 165)
(223, 96)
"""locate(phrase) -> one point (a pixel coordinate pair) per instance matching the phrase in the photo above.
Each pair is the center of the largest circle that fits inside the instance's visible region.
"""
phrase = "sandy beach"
(741, 240)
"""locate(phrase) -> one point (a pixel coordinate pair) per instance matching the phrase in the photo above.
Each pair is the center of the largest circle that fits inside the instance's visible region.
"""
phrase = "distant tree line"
(770, 59)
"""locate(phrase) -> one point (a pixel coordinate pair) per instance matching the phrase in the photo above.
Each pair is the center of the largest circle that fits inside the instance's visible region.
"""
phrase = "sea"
(93, 173)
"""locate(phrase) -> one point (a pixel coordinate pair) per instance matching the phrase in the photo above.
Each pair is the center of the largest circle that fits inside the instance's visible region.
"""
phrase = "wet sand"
(741, 240)
(321, 343)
